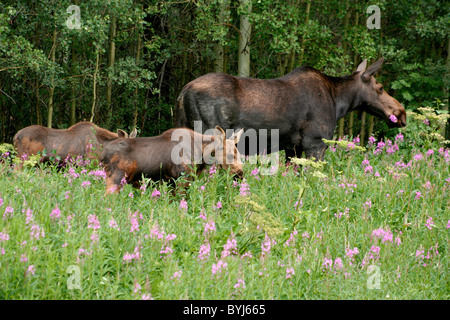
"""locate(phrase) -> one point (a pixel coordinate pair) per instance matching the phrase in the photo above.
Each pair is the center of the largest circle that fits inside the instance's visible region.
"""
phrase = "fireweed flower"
(338, 264)
(134, 223)
(426, 122)
(291, 238)
(86, 184)
(94, 223)
(418, 195)
(31, 270)
(298, 204)
(240, 284)
(372, 140)
(210, 226)
(350, 253)
(29, 216)
(204, 251)
(399, 137)
(229, 248)
(219, 205)
(212, 170)
(8, 213)
(156, 194)
(244, 189)
(384, 235)
(56, 213)
(427, 185)
(448, 225)
(4, 236)
(177, 275)
(429, 152)
(202, 215)
(418, 157)
(266, 246)
(327, 264)
(136, 255)
(367, 205)
(393, 118)
(289, 273)
(368, 169)
(94, 237)
(217, 268)
(113, 224)
(429, 223)
(183, 205)
(36, 232)
(340, 214)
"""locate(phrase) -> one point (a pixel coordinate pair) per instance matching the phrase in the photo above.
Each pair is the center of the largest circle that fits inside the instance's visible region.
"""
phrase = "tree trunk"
(94, 94)
(73, 103)
(446, 128)
(302, 42)
(52, 88)
(244, 42)
(38, 109)
(136, 98)
(355, 61)
(345, 47)
(112, 58)
(362, 134)
(218, 47)
(371, 123)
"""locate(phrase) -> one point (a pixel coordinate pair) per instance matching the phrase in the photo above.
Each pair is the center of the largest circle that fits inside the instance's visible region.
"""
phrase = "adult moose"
(74, 141)
(168, 156)
(303, 105)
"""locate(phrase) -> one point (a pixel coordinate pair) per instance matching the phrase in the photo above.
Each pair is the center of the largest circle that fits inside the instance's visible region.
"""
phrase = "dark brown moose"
(75, 141)
(303, 105)
(168, 156)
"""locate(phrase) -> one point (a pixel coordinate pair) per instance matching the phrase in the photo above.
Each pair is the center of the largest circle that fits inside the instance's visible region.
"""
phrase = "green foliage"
(161, 45)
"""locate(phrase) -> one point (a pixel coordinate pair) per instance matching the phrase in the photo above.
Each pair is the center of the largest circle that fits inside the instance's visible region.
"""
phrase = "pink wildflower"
(94, 223)
(183, 205)
(56, 213)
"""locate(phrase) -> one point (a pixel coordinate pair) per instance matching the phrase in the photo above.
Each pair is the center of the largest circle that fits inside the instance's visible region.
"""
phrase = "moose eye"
(380, 90)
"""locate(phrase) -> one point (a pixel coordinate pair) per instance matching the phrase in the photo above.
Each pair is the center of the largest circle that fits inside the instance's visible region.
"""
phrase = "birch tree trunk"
(244, 42)
(94, 94)
(111, 60)
(52, 88)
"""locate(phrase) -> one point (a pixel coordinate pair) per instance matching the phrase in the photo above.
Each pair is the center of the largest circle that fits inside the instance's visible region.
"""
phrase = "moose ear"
(122, 134)
(237, 136)
(372, 69)
(219, 134)
(362, 66)
(133, 133)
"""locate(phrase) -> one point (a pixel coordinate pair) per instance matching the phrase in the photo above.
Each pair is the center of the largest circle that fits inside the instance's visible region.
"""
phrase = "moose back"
(304, 105)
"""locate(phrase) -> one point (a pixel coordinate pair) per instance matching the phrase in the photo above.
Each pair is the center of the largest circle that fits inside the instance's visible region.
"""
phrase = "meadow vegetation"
(368, 223)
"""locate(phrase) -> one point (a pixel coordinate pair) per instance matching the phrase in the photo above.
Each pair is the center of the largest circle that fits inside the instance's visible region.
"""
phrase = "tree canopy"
(126, 61)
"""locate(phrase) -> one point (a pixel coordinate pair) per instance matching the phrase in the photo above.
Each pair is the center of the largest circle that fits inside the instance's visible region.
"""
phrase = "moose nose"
(239, 174)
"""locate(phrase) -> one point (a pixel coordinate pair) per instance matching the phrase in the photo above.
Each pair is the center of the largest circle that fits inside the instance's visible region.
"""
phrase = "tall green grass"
(371, 224)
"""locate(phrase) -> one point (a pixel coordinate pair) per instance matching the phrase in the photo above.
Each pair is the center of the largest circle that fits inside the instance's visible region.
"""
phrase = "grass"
(367, 224)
